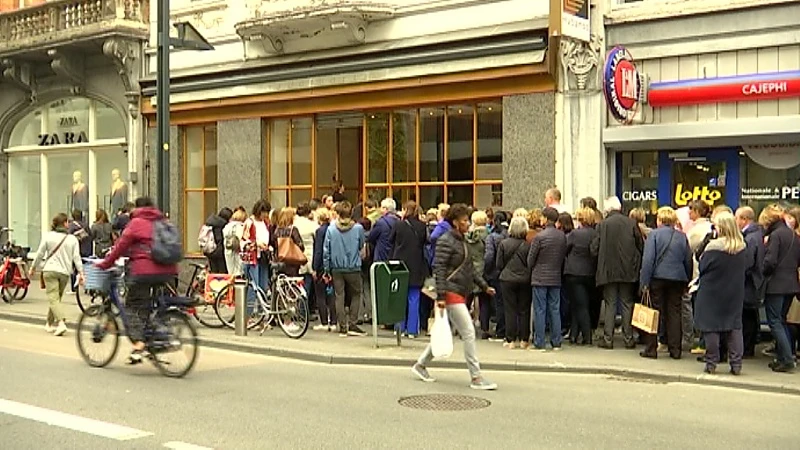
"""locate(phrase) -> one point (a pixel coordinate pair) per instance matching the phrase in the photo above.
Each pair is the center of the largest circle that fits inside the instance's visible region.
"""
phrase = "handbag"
(50, 255)
(645, 317)
(793, 315)
(289, 252)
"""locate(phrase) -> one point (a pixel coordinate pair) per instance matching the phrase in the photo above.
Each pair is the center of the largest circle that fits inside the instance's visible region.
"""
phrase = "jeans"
(735, 348)
(687, 319)
(579, 290)
(611, 293)
(499, 309)
(411, 324)
(751, 327)
(546, 304)
(258, 274)
(461, 320)
(517, 303)
(55, 283)
(139, 302)
(308, 284)
(326, 304)
(776, 306)
(347, 286)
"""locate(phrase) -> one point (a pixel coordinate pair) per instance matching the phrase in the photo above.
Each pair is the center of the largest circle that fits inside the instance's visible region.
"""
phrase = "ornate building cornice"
(579, 62)
(124, 54)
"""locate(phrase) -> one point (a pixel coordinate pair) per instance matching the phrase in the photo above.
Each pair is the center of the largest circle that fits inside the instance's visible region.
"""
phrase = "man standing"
(546, 259)
(341, 259)
(618, 247)
(552, 199)
(754, 278)
(381, 233)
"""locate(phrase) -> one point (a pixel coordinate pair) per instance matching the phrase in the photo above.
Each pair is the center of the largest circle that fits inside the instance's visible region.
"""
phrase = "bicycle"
(290, 309)
(14, 281)
(161, 335)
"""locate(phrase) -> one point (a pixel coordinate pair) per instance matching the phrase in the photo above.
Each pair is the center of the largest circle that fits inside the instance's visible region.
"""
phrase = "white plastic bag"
(441, 335)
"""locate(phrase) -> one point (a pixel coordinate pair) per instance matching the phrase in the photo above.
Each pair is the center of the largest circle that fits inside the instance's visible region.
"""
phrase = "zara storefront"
(65, 155)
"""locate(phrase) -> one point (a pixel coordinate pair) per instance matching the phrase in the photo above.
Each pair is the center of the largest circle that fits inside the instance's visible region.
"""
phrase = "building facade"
(437, 100)
(70, 129)
(717, 113)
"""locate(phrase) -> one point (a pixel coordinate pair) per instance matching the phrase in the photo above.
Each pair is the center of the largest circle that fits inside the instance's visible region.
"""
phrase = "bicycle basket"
(97, 279)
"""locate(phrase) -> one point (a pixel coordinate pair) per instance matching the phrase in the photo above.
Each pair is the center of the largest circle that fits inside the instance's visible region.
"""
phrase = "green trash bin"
(389, 283)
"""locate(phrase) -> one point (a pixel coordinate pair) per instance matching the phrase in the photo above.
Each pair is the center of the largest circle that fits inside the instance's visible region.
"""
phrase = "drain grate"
(444, 402)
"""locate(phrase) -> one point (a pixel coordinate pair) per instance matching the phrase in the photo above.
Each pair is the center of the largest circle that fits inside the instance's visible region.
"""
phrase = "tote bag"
(645, 317)
(441, 335)
(289, 252)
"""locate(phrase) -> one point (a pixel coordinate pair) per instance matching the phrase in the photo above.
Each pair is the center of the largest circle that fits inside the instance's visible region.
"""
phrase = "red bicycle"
(14, 281)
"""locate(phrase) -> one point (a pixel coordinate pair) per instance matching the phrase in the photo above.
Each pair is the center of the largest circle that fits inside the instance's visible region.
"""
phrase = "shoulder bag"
(289, 252)
(49, 255)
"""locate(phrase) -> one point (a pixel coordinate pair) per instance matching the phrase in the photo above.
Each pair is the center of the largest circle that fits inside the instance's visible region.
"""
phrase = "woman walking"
(101, 232)
(59, 250)
(408, 239)
(781, 261)
(284, 228)
(666, 270)
(579, 272)
(720, 297)
(515, 282)
(454, 278)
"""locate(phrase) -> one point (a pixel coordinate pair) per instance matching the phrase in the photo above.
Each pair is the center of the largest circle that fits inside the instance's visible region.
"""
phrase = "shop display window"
(769, 175)
(638, 182)
(25, 195)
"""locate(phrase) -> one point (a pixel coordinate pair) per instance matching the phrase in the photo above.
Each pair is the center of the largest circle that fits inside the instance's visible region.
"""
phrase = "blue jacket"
(441, 228)
(672, 248)
(342, 248)
(319, 243)
(380, 237)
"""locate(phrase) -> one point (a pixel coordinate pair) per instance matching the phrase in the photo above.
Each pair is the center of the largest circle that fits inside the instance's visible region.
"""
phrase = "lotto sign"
(622, 85)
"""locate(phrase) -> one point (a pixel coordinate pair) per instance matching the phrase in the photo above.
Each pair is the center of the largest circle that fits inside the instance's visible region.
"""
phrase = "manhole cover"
(444, 402)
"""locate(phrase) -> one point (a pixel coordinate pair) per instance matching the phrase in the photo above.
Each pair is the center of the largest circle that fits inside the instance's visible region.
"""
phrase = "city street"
(51, 399)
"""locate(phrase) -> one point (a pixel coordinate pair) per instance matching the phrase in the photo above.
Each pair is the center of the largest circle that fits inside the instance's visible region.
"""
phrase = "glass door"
(711, 176)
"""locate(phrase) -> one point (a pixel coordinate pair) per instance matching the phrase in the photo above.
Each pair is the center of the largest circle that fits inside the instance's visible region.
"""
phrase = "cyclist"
(145, 274)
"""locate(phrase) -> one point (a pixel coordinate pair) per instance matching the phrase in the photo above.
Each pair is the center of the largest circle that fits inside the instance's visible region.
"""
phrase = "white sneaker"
(293, 327)
(321, 327)
(60, 329)
(49, 328)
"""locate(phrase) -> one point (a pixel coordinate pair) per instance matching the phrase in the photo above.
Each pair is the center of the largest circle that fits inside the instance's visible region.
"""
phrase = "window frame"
(203, 190)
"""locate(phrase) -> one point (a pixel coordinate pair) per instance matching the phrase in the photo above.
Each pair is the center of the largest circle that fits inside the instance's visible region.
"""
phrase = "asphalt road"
(50, 399)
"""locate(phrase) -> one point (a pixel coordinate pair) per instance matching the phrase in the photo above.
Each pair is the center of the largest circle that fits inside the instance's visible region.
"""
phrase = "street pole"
(162, 106)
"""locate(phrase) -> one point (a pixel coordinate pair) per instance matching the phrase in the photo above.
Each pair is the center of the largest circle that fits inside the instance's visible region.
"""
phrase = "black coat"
(618, 247)
(720, 296)
(408, 245)
(754, 277)
(580, 261)
(546, 257)
(512, 260)
(452, 266)
(781, 260)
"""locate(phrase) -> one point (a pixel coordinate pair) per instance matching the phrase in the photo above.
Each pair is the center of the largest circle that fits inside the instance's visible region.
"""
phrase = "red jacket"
(135, 242)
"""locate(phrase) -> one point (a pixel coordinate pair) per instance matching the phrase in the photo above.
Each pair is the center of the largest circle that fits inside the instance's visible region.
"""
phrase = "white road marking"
(176, 445)
(71, 422)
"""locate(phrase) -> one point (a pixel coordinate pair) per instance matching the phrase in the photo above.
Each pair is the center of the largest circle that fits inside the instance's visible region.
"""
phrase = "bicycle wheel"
(6, 295)
(92, 297)
(89, 334)
(205, 313)
(179, 339)
(292, 315)
(20, 293)
(224, 307)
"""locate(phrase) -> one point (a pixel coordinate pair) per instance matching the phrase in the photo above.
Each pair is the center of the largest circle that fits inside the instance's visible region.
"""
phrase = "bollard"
(240, 307)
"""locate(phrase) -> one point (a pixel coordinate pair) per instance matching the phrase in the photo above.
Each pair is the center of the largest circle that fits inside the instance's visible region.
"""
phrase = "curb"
(382, 361)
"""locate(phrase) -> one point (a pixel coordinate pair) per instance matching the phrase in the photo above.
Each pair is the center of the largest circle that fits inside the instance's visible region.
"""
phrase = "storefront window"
(460, 141)
(639, 182)
(301, 151)
(377, 147)
(109, 124)
(67, 183)
(279, 153)
(404, 149)
(27, 130)
(489, 154)
(431, 144)
(68, 119)
(769, 174)
(200, 171)
(25, 199)
(112, 180)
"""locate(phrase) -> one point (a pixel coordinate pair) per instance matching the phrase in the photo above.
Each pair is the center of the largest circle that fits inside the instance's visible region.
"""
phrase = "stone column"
(240, 162)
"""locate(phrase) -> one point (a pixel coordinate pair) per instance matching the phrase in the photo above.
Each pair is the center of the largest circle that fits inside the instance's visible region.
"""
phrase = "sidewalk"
(329, 348)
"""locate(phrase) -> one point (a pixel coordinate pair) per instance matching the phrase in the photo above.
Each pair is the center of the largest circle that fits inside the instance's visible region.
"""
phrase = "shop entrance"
(708, 175)
(340, 144)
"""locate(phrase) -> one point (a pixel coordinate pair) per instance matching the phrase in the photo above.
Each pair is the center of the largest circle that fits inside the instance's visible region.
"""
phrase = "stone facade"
(240, 162)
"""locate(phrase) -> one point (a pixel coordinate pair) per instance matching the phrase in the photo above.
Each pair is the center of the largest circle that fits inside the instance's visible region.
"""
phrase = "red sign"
(725, 89)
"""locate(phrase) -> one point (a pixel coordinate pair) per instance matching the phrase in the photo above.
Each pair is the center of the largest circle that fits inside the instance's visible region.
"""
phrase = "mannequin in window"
(80, 193)
(119, 192)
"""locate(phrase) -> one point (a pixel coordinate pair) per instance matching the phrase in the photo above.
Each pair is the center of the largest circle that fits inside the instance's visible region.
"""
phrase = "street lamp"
(188, 39)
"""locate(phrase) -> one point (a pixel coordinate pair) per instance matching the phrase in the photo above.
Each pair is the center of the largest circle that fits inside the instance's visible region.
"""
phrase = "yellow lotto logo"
(684, 197)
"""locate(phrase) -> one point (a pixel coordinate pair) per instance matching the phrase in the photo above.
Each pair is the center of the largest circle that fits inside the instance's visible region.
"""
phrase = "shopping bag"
(441, 335)
(645, 317)
(793, 316)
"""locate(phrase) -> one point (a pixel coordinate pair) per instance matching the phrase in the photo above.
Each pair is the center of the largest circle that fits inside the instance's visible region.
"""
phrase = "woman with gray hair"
(512, 265)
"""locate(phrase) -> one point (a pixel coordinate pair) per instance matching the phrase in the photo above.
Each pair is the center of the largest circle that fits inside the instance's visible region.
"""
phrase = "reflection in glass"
(326, 160)
(297, 196)
(210, 146)
(489, 195)
(403, 194)
(431, 144)
(195, 217)
(404, 135)
(194, 157)
(460, 136)
(25, 200)
(377, 193)
(490, 142)
(279, 153)
(301, 151)
(377, 147)
(430, 196)
(460, 194)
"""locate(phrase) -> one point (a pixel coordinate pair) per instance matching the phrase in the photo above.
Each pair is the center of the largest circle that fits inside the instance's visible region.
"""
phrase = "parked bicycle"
(162, 330)
(289, 308)
(14, 281)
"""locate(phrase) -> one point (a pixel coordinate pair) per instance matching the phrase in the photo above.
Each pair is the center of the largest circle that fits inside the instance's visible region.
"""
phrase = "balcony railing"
(65, 20)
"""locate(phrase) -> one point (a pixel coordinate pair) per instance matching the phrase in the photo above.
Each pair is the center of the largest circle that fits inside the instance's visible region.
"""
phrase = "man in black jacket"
(546, 259)
(618, 247)
(754, 278)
